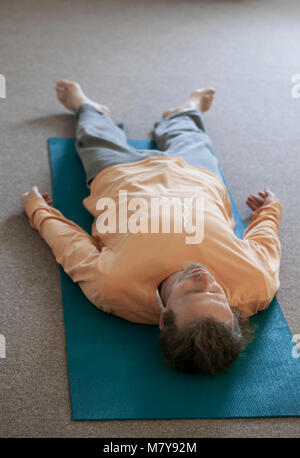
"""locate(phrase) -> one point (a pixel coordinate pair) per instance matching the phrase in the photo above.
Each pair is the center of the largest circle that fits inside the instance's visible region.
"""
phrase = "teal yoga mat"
(116, 370)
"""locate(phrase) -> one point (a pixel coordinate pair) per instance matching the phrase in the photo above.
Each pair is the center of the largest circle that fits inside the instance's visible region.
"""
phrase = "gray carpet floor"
(138, 57)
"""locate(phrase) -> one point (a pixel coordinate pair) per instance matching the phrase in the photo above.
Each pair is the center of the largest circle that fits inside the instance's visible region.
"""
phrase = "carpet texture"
(139, 57)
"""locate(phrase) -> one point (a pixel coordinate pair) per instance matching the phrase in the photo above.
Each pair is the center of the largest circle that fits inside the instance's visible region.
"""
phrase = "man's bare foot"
(72, 97)
(200, 99)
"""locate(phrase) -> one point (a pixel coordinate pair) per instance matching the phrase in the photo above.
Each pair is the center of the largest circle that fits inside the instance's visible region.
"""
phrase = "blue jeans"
(100, 143)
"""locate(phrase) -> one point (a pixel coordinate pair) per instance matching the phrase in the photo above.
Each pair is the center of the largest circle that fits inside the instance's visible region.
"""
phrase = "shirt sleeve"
(263, 236)
(74, 249)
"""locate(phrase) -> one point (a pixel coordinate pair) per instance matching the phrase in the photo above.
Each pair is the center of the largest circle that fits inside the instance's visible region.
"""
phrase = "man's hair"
(207, 346)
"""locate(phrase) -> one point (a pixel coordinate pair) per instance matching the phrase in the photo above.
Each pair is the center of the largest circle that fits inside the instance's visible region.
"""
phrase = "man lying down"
(200, 288)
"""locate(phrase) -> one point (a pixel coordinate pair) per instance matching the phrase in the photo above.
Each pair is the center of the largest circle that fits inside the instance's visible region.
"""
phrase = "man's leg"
(100, 143)
(181, 132)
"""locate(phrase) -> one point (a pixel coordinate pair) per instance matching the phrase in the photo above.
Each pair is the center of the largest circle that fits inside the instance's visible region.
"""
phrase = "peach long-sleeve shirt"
(119, 272)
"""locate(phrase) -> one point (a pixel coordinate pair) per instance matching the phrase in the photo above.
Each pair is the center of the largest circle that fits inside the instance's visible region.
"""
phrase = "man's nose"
(205, 280)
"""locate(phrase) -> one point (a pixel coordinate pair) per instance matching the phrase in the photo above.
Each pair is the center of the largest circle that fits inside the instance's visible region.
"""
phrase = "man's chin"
(188, 270)
(191, 267)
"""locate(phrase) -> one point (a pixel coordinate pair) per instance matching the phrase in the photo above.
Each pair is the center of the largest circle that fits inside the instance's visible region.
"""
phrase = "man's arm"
(263, 235)
(72, 247)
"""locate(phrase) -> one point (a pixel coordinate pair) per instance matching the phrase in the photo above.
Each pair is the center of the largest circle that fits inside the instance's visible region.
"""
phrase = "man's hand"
(34, 192)
(255, 202)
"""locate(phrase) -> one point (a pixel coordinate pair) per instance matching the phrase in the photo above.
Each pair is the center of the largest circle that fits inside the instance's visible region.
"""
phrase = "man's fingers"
(251, 203)
(263, 194)
(258, 200)
(255, 202)
(254, 199)
(47, 198)
(269, 193)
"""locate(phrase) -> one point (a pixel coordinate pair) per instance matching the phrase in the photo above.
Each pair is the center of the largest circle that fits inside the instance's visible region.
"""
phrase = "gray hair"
(207, 346)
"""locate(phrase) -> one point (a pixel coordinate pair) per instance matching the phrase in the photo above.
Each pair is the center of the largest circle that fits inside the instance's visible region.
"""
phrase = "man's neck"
(159, 287)
(165, 286)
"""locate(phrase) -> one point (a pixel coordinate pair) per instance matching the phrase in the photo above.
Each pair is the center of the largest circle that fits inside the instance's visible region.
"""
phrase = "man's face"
(193, 293)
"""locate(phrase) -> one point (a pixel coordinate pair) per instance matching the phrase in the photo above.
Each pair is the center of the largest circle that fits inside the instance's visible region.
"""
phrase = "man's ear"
(161, 320)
